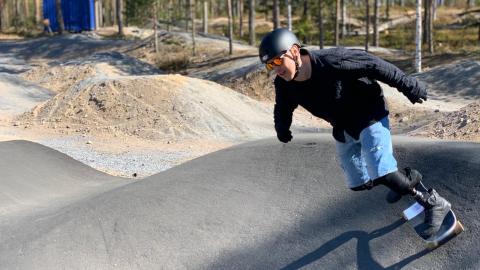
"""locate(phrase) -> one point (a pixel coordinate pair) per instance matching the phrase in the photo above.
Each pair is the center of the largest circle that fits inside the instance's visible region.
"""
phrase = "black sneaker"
(436, 208)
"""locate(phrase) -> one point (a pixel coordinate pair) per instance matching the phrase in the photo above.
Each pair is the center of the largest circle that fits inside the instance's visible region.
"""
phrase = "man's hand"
(419, 97)
(285, 136)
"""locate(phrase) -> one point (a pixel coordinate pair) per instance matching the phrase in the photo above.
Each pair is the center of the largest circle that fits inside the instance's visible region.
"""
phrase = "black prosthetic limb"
(400, 184)
(407, 185)
(436, 207)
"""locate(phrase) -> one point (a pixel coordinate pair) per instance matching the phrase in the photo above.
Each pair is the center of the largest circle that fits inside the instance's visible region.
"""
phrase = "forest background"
(447, 25)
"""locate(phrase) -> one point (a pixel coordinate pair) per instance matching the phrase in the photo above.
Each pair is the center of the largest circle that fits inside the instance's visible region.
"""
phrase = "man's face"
(284, 65)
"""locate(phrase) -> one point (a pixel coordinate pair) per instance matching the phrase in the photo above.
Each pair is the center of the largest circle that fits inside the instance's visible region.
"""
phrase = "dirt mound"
(154, 107)
(455, 81)
(60, 76)
(459, 125)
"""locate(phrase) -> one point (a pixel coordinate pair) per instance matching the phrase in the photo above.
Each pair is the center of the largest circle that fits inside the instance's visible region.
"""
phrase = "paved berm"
(259, 205)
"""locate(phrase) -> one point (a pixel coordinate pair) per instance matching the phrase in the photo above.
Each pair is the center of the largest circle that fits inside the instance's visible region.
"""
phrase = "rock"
(89, 142)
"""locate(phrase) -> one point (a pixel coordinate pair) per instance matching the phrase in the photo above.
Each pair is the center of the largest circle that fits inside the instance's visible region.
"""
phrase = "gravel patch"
(130, 164)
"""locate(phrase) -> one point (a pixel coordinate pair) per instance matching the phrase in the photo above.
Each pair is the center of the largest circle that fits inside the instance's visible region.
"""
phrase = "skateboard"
(451, 226)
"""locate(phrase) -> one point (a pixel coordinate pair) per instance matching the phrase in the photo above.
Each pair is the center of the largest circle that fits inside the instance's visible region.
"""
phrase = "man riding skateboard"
(340, 86)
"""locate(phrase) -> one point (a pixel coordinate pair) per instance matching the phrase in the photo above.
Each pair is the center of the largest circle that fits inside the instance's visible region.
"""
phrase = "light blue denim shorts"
(369, 157)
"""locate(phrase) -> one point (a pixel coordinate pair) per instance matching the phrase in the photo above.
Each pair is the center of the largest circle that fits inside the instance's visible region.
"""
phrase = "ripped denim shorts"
(369, 157)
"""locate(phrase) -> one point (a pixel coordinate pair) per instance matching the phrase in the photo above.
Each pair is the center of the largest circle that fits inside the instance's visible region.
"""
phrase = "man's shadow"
(364, 256)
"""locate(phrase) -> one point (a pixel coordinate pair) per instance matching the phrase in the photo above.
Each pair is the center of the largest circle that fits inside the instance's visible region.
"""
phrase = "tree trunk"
(425, 22)
(305, 9)
(337, 23)
(230, 27)
(38, 11)
(240, 17)
(113, 11)
(170, 15)
(479, 33)
(2, 19)
(251, 22)
(418, 37)
(98, 14)
(430, 26)
(344, 18)
(470, 3)
(375, 23)
(276, 14)
(387, 10)
(17, 15)
(58, 11)
(367, 28)
(320, 22)
(289, 14)
(119, 16)
(26, 9)
(5, 15)
(205, 17)
(187, 15)
(192, 19)
(155, 26)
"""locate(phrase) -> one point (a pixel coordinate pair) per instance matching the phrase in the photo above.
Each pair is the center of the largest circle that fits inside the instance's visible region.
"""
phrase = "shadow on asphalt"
(364, 255)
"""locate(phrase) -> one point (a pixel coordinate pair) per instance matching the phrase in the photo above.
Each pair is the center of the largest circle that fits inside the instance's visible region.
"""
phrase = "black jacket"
(343, 91)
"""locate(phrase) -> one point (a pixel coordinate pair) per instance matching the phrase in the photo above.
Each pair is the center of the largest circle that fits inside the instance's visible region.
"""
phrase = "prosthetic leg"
(436, 207)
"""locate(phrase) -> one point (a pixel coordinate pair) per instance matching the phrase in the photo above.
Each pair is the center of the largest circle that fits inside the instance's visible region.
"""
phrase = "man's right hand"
(285, 136)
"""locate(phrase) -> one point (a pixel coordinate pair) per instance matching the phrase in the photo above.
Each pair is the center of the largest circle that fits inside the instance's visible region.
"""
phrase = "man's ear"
(296, 50)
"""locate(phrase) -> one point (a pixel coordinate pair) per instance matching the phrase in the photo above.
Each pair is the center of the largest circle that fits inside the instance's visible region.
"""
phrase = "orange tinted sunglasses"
(277, 61)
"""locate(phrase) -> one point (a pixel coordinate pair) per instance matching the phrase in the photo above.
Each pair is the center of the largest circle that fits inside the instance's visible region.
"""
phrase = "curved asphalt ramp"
(18, 95)
(261, 205)
(37, 180)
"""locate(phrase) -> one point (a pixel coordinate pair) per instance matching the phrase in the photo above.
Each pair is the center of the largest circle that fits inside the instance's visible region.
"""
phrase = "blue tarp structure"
(78, 15)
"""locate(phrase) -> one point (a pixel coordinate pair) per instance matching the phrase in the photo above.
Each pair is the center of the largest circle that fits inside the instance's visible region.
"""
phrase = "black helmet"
(275, 43)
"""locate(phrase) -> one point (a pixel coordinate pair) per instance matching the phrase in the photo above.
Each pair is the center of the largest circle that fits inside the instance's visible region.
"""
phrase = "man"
(339, 86)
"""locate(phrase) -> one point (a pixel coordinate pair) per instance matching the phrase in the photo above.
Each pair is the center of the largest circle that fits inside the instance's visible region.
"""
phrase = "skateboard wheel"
(459, 228)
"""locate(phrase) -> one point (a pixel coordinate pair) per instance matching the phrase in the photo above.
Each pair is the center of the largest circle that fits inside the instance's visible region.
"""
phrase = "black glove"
(284, 136)
(419, 97)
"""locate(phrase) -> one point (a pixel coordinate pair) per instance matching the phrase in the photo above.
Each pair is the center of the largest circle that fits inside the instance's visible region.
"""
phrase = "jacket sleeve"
(283, 111)
(357, 63)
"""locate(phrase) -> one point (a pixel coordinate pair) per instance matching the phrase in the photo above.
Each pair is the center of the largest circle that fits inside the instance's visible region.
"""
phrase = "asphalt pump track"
(259, 205)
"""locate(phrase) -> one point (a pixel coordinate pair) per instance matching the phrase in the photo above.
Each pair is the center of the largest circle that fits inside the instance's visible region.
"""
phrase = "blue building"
(78, 15)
